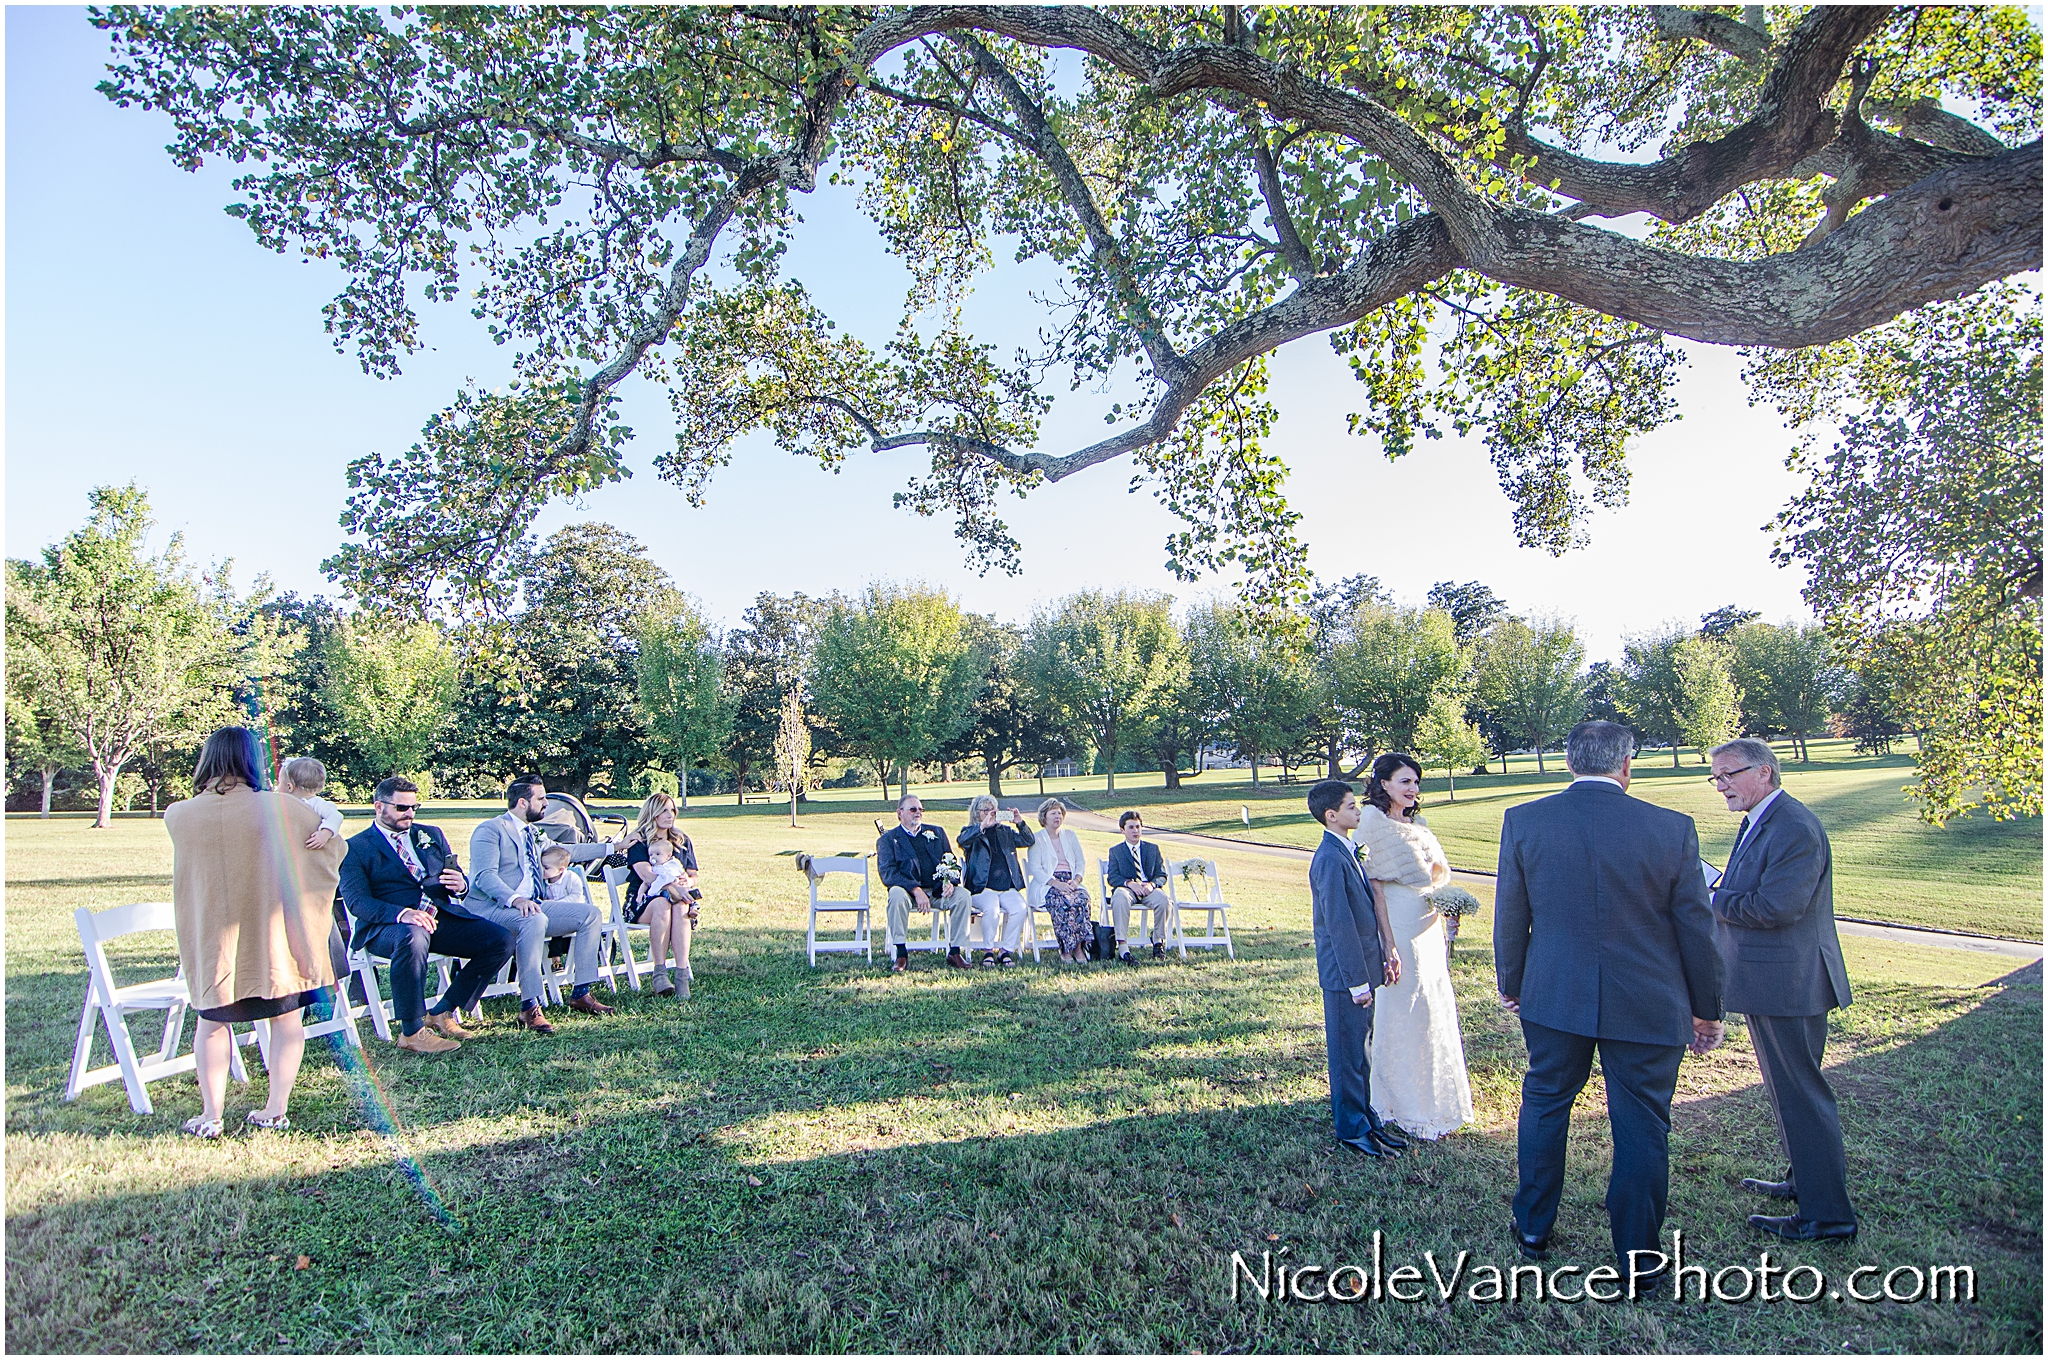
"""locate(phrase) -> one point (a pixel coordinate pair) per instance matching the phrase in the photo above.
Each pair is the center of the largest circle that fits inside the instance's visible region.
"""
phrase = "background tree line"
(609, 679)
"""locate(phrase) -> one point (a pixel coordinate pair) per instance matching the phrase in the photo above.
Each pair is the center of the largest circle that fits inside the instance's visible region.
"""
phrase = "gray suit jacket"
(1775, 917)
(1347, 928)
(497, 862)
(1600, 924)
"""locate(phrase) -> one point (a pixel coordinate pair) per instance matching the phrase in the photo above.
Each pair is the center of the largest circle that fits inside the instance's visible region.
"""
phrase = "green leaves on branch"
(1920, 531)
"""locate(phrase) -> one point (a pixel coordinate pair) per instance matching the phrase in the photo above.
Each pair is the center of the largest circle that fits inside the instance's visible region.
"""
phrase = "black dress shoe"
(1796, 1229)
(1532, 1248)
(1385, 1136)
(1769, 1189)
(1365, 1147)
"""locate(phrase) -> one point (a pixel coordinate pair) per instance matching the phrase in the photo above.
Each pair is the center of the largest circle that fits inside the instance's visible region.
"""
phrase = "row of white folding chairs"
(108, 1005)
(1146, 912)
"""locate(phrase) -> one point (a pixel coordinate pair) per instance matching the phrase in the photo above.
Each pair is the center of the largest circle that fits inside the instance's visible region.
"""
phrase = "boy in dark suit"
(399, 882)
(1354, 954)
(1137, 874)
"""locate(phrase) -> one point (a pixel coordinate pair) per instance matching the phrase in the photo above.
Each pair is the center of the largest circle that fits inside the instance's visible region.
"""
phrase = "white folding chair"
(111, 1005)
(863, 941)
(1039, 938)
(1153, 908)
(617, 934)
(363, 964)
(1181, 877)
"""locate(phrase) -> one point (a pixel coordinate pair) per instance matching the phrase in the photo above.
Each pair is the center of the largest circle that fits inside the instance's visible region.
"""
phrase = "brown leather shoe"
(954, 960)
(531, 1018)
(901, 965)
(590, 1005)
(425, 1041)
(447, 1026)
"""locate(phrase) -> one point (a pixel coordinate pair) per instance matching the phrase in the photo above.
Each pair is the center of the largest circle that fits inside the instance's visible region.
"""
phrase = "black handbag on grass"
(1105, 943)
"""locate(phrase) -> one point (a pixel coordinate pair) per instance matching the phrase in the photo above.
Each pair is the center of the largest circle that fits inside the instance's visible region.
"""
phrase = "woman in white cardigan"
(1418, 1056)
(1056, 881)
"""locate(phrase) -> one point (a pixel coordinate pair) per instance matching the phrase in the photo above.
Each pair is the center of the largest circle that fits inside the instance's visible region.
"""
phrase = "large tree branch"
(1791, 122)
(1730, 35)
(1300, 263)
(1102, 243)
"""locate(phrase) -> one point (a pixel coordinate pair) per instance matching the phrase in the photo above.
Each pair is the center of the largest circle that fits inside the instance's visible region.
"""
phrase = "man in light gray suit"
(1603, 939)
(505, 879)
(1774, 910)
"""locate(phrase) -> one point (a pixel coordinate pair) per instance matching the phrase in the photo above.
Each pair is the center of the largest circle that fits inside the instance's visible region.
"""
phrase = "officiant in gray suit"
(1774, 910)
(1603, 940)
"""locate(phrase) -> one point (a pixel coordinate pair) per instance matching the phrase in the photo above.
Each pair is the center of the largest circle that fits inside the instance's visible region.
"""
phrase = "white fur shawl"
(1402, 852)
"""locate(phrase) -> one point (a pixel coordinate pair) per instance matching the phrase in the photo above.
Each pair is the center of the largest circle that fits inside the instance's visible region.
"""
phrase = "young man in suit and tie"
(1774, 910)
(505, 878)
(1354, 954)
(1603, 939)
(399, 881)
(908, 856)
(1137, 873)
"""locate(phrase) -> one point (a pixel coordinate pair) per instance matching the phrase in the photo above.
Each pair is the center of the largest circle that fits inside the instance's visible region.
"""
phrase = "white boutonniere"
(1361, 854)
(930, 835)
(421, 840)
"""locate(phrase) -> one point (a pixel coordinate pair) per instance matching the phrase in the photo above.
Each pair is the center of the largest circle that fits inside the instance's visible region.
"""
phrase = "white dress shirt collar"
(1599, 779)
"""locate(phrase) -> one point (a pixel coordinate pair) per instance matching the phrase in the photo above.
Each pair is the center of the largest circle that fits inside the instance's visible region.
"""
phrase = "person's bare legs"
(657, 935)
(287, 1047)
(211, 1046)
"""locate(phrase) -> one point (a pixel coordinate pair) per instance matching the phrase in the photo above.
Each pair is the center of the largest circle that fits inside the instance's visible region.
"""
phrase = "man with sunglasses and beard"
(398, 882)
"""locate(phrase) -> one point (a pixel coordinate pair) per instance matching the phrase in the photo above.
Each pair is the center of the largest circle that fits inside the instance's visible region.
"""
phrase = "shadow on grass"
(832, 1161)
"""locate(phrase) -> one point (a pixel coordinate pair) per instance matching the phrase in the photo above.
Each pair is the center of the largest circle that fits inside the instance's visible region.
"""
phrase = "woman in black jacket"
(988, 856)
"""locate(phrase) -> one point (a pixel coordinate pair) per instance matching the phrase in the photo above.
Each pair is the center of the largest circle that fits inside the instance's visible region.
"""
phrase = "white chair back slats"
(856, 906)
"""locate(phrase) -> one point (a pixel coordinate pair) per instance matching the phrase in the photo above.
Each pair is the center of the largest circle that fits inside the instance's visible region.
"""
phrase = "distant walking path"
(1934, 939)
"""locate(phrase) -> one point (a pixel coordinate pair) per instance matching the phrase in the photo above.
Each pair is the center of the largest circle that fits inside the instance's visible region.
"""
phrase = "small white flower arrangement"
(949, 867)
(1452, 901)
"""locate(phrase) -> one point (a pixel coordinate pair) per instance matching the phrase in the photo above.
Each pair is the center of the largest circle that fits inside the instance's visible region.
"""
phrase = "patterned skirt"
(1067, 904)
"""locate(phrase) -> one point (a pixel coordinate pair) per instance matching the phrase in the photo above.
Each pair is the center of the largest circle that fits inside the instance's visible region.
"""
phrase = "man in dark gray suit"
(1354, 954)
(1603, 939)
(1774, 910)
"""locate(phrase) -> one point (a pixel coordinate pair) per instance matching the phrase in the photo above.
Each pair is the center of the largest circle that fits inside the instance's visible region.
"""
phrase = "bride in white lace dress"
(1418, 1055)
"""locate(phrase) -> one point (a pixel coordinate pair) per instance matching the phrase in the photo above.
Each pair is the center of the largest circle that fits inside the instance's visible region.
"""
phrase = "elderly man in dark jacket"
(1774, 908)
(908, 856)
(1603, 939)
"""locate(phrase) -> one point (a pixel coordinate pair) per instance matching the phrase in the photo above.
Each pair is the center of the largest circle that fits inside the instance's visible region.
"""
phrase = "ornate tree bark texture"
(1456, 197)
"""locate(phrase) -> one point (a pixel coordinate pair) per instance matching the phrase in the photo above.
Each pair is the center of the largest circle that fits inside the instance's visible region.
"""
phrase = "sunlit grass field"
(1973, 874)
(837, 1159)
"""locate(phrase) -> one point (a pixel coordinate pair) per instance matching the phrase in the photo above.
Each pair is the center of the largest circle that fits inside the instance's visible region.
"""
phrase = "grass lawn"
(835, 1159)
(1974, 874)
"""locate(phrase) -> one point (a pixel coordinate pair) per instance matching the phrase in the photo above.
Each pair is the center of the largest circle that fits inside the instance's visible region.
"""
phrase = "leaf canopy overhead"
(612, 190)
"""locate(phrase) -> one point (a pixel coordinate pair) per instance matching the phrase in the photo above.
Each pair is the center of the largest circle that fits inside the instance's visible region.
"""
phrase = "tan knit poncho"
(254, 905)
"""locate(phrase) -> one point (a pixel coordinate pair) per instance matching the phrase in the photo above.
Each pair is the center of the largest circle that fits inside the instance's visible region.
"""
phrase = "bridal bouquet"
(949, 867)
(1452, 902)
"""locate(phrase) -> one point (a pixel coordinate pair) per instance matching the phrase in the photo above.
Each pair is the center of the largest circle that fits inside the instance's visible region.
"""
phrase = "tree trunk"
(49, 783)
(1674, 753)
(995, 775)
(792, 805)
(1041, 781)
(1503, 762)
(1255, 771)
(1109, 764)
(1539, 759)
(1452, 775)
(1336, 760)
(107, 774)
(683, 785)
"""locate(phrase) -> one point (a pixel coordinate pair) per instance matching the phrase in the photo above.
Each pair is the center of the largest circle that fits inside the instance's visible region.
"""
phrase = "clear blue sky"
(150, 338)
